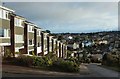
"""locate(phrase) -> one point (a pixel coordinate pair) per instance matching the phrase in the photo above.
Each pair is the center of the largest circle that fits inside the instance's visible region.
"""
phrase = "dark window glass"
(30, 52)
(38, 44)
(1, 32)
(30, 42)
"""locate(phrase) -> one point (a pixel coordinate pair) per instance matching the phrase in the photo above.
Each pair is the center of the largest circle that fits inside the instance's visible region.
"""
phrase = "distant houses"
(18, 35)
(93, 44)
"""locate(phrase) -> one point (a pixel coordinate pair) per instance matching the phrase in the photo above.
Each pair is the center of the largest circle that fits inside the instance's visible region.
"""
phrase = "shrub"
(50, 58)
(23, 61)
(47, 62)
(8, 54)
(73, 59)
(38, 61)
(110, 60)
(67, 66)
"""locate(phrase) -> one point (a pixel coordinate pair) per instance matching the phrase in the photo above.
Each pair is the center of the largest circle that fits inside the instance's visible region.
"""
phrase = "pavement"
(86, 70)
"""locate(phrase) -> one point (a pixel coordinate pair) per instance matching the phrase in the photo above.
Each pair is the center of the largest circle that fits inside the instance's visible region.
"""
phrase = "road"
(90, 70)
(97, 71)
(18, 71)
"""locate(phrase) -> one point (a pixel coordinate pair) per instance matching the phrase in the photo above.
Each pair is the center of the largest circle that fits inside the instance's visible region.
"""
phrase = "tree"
(84, 55)
(60, 37)
(48, 31)
(76, 39)
(69, 54)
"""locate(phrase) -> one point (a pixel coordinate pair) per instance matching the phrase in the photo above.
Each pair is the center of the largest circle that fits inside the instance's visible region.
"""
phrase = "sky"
(72, 17)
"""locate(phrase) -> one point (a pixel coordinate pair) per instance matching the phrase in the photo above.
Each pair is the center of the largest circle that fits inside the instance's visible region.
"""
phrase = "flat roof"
(5, 8)
(30, 23)
(18, 16)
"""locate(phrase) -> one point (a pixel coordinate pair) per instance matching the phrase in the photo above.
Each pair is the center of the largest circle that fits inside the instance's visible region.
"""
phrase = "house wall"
(19, 33)
(45, 44)
(5, 39)
(49, 44)
(54, 46)
(25, 49)
(5, 23)
(30, 38)
(58, 50)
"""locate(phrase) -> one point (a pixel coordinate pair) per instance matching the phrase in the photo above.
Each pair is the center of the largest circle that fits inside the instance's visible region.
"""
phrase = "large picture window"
(18, 22)
(18, 38)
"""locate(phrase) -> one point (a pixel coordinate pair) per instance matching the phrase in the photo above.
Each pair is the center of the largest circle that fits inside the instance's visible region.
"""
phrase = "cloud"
(70, 16)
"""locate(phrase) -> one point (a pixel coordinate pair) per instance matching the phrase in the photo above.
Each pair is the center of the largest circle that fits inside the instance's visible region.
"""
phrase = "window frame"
(4, 33)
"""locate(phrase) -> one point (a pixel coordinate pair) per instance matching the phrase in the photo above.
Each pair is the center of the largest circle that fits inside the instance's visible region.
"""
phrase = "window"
(38, 33)
(7, 15)
(1, 33)
(21, 22)
(30, 28)
(4, 32)
(18, 22)
(30, 42)
(0, 13)
(4, 14)
(19, 38)
(31, 52)
(15, 22)
(38, 44)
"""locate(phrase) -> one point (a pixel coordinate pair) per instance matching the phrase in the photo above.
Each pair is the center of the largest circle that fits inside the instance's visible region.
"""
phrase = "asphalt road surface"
(90, 70)
(97, 71)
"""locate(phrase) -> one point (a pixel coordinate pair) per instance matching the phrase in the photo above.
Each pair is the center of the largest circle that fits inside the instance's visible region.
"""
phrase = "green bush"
(50, 58)
(73, 59)
(7, 54)
(110, 60)
(67, 66)
(47, 62)
(23, 61)
(38, 61)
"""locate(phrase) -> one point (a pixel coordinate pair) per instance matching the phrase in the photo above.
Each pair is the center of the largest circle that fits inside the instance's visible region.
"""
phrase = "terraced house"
(44, 43)
(5, 36)
(17, 35)
(49, 44)
(32, 39)
(58, 50)
(54, 45)
(37, 42)
(17, 32)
